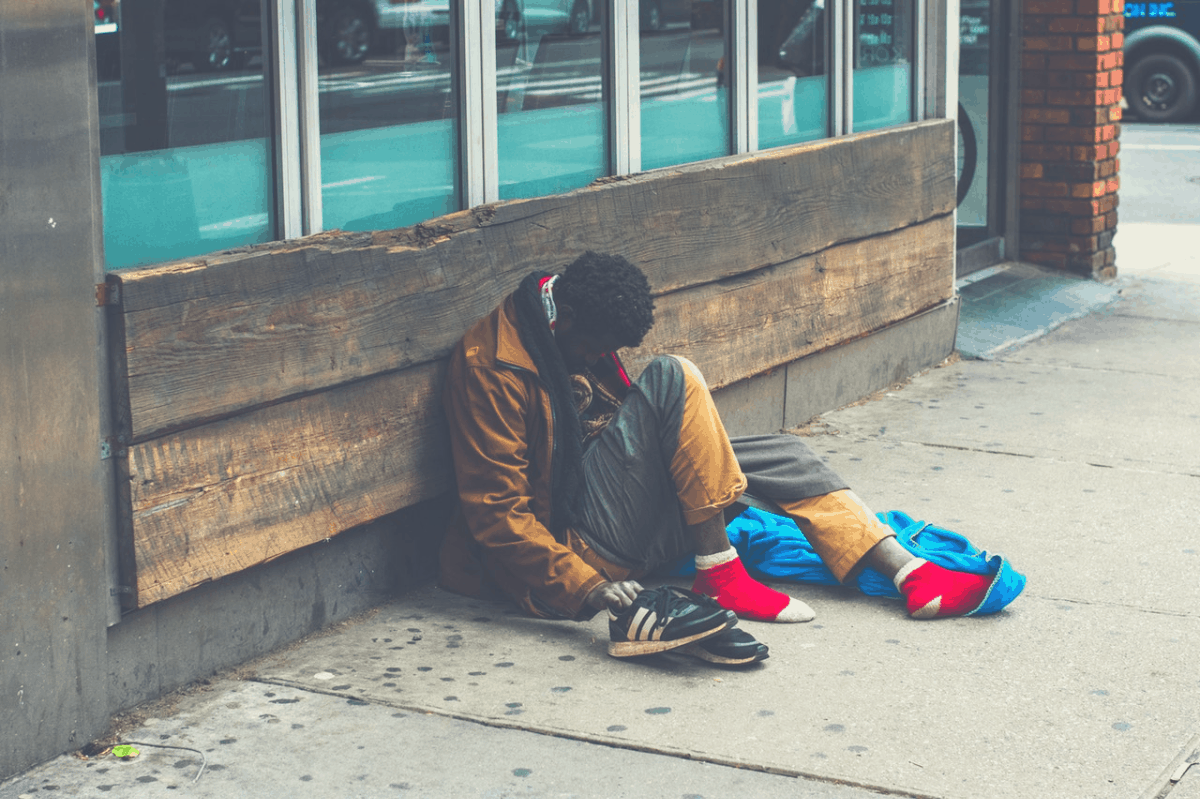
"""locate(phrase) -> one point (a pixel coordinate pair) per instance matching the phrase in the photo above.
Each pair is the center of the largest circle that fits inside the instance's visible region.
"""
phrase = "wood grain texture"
(743, 326)
(214, 337)
(222, 497)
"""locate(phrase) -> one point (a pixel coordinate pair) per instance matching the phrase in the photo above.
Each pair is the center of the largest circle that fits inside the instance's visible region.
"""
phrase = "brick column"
(1071, 72)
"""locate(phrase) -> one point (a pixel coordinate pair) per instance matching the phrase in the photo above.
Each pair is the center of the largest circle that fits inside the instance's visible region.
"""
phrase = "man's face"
(580, 350)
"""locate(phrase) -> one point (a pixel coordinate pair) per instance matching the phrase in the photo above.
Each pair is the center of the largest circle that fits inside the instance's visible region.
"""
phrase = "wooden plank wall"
(274, 397)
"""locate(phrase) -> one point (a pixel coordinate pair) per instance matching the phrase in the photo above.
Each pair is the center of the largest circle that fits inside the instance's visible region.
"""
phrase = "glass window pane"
(883, 59)
(389, 138)
(973, 98)
(184, 155)
(793, 86)
(685, 103)
(552, 124)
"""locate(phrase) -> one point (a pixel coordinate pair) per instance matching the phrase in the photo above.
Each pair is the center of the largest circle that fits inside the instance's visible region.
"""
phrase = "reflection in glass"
(552, 126)
(973, 98)
(685, 104)
(792, 85)
(388, 114)
(883, 59)
(184, 156)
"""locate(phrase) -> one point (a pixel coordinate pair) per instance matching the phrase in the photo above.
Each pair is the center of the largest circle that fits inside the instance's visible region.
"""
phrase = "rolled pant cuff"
(840, 527)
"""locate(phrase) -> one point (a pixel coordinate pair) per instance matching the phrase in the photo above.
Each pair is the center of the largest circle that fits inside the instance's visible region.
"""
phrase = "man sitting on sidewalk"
(574, 481)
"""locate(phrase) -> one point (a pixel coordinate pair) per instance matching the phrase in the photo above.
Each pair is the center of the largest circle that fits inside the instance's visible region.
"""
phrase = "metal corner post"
(841, 74)
(309, 116)
(285, 92)
(476, 38)
(625, 77)
(744, 74)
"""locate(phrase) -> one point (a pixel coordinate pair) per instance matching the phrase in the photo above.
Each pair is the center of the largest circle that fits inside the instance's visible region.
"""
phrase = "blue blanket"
(775, 547)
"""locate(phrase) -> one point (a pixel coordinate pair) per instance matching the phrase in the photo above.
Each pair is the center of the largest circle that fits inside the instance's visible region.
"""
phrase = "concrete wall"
(55, 514)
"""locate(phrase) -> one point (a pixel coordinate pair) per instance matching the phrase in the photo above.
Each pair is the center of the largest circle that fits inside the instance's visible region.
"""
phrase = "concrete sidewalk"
(1077, 455)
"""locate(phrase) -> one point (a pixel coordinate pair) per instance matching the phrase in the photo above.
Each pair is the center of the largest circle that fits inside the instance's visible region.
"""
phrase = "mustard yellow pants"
(666, 462)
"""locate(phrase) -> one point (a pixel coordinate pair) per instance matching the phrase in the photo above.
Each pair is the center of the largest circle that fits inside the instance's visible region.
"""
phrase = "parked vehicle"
(212, 35)
(658, 14)
(542, 17)
(1162, 59)
(215, 35)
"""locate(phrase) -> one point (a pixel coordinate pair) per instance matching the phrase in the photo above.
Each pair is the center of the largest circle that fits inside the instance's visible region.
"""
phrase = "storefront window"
(685, 102)
(552, 127)
(388, 111)
(188, 157)
(883, 63)
(185, 159)
(793, 90)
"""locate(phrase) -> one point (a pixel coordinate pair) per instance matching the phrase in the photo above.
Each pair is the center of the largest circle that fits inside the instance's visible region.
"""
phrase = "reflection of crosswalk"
(563, 81)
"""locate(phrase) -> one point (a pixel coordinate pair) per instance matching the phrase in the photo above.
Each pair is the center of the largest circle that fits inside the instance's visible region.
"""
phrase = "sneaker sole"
(697, 651)
(629, 649)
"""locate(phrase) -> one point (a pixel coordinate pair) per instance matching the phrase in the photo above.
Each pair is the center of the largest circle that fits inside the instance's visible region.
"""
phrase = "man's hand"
(614, 596)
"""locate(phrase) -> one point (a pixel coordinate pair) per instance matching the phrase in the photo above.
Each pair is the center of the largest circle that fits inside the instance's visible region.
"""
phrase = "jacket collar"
(509, 348)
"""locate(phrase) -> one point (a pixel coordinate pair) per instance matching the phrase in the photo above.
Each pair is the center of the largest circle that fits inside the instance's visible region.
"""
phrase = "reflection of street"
(387, 90)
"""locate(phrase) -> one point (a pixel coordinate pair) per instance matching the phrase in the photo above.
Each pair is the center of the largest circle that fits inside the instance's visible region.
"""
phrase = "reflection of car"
(802, 50)
(345, 29)
(211, 34)
(414, 15)
(222, 34)
(1162, 59)
(542, 17)
(657, 14)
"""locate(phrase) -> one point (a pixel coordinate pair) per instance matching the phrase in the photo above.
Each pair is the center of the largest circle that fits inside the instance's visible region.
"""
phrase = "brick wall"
(1071, 72)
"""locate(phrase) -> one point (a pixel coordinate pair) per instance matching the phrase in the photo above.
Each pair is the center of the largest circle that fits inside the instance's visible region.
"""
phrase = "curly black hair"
(609, 295)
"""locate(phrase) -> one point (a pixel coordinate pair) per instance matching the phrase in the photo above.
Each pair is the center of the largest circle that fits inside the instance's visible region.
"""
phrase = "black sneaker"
(729, 648)
(664, 618)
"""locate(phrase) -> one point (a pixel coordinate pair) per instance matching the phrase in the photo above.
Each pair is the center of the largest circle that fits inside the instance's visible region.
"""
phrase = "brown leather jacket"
(501, 438)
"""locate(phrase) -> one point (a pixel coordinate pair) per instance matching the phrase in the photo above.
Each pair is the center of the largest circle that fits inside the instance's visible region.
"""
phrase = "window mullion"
(625, 72)
(843, 66)
(477, 65)
(920, 73)
(309, 115)
(286, 104)
(744, 75)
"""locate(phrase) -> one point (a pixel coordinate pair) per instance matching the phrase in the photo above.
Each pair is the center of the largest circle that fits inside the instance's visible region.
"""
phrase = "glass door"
(984, 119)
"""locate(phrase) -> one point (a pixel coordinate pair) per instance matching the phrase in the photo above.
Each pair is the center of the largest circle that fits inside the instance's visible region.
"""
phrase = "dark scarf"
(566, 460)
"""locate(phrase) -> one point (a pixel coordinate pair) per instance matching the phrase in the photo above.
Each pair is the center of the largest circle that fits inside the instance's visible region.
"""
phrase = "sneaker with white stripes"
(664, 618)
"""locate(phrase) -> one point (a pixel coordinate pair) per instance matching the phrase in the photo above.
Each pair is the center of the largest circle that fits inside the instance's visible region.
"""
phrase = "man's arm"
(488, 411)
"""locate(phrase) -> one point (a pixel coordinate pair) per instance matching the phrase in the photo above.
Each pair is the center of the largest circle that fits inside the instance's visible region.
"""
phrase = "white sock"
(708, 561)
(907, 569)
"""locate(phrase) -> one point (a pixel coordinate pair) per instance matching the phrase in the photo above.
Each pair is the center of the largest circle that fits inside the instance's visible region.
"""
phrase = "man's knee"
(691, 370)
(675, 368)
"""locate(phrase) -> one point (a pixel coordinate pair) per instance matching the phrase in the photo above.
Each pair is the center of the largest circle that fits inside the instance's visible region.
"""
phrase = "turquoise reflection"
(168, 204)
(683, 128)
(792, 110)
(882, 96)
(388, 177)
(550, 151)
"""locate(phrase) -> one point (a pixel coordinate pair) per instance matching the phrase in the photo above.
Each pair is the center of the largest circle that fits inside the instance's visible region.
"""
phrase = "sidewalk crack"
(1125, 605)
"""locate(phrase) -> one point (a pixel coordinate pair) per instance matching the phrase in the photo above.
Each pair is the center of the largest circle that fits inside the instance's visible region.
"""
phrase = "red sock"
(931, 592)
(735, 590)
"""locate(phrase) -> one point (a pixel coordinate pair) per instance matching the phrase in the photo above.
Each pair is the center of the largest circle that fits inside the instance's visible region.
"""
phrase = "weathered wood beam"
(221, 497)
(743, 326)
(210, 338)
